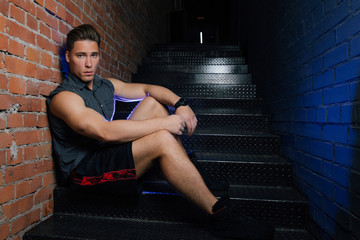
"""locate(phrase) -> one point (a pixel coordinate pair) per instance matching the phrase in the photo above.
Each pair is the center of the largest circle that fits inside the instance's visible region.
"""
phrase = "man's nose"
(88, 62)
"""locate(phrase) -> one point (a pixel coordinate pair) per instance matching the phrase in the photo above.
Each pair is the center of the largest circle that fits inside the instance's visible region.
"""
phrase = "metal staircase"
(232, 143)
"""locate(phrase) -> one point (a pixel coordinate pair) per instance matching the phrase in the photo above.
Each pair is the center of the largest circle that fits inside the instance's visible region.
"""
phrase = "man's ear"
(67, 56)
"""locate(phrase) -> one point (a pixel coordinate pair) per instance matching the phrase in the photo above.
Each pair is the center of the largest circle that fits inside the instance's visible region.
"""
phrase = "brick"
(6, 193)
(5, 139)
(28, 6)
(48, 208)
(43, 151)
(323, 80)
(24, 221)
(2, 161)
(345, 155)
(347, 71)
(61, 12)
(4, 230)
(324, 43)
(354, 91)
(43, 195)
(336, 94)
(303, 144)
(27, 137)
(48, 179)
(336, 15)
(5, 101)
(312, 130)
(335, 56)
(13, 209)
(348, 29)
(333, 114)
(43, 166)
(347, 113)
(354, 133)
(42, 121)
(29, 104)
(322, 150)
(313, 163)
(335, 133)
(26, 187)
(312, 114)
(17, 13)
(32, 54)
(342, 197)
(336, 173)
(355, 47)
(4, 7)
(21, 32)
(313, 99)
(32, 88)
(14, 120)
(4, 82)
(30, 120)
(300, 115)
(19, 66)
(315, 197)
(323, 185)
(20, 172)
(29, 153)
(17, 85)
(45, 30)
(31, 22)
(46, 18)
(355, 178)
(51, 6)
(337, 214)
(4, 42)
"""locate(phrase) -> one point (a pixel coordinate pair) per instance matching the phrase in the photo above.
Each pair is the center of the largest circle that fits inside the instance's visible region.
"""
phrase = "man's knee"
(155, 106)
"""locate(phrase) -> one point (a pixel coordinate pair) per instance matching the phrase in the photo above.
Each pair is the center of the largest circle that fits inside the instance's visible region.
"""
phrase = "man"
(98, 153)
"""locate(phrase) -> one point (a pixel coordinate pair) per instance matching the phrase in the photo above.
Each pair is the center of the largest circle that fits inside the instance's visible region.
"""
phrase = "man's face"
(83, 59)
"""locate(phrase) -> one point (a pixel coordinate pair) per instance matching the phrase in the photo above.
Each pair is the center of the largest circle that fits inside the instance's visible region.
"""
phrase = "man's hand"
(175, 124)
(189, 117)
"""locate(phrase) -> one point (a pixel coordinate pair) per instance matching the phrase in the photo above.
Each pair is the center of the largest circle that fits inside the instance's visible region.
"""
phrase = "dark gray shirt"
(70, 147)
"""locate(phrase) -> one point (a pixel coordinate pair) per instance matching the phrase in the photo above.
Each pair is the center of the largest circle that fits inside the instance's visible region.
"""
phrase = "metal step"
(71, 227)
(194, 68)
(213, 90)
(230, 142)
(282, 206)
(221, 106)
(195, 60)
(195, 50)
(236, 169)
(185, 78)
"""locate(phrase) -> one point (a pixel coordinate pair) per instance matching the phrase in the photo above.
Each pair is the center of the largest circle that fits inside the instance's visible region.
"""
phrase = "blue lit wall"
(305, 59)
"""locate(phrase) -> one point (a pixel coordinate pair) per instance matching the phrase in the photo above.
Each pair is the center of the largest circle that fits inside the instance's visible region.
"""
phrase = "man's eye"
(94, 55)
(81, 56)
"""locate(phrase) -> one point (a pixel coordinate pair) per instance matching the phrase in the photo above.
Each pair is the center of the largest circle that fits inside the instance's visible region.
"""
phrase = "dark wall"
(305, 60)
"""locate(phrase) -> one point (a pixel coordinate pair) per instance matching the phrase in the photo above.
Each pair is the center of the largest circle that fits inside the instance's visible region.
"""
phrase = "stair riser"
(233, 144)
(175, 208)
(194, 61)
(239, 122)
(195, 69)
(214, 91)
(184, 78)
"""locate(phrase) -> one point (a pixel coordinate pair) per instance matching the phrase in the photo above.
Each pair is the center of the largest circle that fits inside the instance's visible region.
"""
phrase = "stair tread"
(61, 226)
(238, 158)
(231, 131)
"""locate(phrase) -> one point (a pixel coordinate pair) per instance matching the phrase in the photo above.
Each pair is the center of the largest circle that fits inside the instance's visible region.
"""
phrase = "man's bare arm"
(71, 108)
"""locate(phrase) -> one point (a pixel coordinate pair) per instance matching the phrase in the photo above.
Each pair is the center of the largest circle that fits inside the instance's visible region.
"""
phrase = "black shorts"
(109, 169)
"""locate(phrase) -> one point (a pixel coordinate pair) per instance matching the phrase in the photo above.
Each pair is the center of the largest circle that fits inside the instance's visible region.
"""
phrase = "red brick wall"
(31, 34)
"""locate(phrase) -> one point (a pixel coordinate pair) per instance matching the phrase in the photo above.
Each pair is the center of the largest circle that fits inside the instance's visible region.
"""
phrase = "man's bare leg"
(174, 162)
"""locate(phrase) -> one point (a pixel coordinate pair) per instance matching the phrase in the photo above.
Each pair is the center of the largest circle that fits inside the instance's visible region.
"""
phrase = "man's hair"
(82, 32)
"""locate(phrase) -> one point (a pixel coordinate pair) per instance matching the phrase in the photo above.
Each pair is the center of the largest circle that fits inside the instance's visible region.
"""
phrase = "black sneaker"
(225, 224)
(212, 184)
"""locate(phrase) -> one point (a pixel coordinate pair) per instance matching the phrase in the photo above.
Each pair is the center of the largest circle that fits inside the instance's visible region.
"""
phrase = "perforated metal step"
(213, 90)
(261, 144)
(184, 78)
(194, 68)
(195, 60)
(61, 227)
(282, 206)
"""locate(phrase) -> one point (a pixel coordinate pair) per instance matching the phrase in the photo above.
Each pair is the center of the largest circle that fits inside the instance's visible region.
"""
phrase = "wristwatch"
(181, 102)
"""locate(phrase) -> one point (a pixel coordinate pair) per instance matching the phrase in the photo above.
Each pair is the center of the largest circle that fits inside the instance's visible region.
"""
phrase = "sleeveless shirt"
(70, 147)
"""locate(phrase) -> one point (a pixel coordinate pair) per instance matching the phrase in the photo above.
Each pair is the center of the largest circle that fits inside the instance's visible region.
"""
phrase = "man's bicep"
(71, 108)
